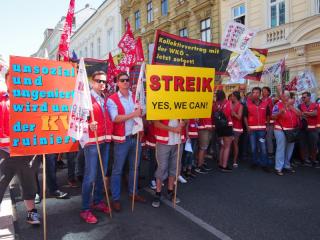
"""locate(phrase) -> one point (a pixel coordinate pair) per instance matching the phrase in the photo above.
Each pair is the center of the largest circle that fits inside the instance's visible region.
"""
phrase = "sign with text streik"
(176, 92)
(41, 93)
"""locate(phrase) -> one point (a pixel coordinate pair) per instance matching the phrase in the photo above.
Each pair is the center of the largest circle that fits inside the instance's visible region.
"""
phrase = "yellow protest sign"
(178, 92)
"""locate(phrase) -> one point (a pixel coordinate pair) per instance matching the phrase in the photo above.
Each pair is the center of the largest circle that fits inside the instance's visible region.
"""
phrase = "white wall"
(105, 25)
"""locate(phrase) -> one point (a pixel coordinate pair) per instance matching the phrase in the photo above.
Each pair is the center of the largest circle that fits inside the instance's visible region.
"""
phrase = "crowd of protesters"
(174, 148)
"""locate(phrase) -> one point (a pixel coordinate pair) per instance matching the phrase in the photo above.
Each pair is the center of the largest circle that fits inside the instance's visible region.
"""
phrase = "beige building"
(285, 27)
(197, 19)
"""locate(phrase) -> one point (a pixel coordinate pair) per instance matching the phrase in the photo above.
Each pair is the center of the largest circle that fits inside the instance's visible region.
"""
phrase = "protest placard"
(171, 49)
(175, 92)
(41, 93)
(237, 37)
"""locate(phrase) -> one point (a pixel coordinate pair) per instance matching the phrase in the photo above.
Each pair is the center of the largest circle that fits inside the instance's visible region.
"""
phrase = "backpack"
(220, 119)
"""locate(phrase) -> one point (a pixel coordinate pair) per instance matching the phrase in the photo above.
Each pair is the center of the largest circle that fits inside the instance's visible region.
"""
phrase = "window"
(98, 47)
(109, 39)
(150, 52)
(137, 19)
(205, 30)
(317, 6)
(277, 12)
(164, 7)
(92, 50)
(239, 13)
(183, 32)
(149, 12)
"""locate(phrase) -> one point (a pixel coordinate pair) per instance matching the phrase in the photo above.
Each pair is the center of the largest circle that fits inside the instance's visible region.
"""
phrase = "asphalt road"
(246, 204)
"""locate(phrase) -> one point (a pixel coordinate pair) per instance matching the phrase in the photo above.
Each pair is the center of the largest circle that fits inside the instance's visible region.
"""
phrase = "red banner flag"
(139, 50)
(127, 42)
(112, 73)
(63, 52)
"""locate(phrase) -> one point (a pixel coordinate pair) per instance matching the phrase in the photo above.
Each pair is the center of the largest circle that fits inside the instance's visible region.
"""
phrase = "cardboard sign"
(175, 92)
(41, 93)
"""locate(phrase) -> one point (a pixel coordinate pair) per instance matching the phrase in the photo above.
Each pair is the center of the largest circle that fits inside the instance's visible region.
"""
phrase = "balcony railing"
(276, 35)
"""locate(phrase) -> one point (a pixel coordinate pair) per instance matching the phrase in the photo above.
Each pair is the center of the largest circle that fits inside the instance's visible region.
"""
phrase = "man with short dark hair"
(121, 106)
(309, 135)
(258, 115)
(266, 92)
(100, 130)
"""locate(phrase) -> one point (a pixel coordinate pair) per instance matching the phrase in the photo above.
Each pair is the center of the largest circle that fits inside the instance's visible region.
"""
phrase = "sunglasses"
(124, 80)
(303, 97)
(99, 81)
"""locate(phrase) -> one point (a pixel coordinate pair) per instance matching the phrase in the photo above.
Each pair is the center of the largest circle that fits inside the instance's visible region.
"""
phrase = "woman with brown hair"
(223, 123)
(236, 115)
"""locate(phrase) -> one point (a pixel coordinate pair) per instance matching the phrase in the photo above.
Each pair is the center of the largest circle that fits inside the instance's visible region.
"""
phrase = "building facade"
(186, 18)
(100, 34)
(52, 35)
(286, 27)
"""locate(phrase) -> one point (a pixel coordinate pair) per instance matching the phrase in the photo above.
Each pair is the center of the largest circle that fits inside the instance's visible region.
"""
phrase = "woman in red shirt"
(225, 134)
(236, 115)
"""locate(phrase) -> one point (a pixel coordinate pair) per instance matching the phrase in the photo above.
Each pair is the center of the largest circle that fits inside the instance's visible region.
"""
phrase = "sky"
(22, 23)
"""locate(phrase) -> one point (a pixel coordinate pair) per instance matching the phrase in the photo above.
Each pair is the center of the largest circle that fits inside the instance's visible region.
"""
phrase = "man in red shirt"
(309, 134)
(257, 116)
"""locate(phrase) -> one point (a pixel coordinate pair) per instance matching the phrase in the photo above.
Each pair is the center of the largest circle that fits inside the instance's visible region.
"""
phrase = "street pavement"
(245, 204)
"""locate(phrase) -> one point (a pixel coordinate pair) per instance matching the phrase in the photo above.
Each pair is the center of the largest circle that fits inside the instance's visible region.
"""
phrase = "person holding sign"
(92, 174)
(122, 111)
(169, 134)
(25, 167)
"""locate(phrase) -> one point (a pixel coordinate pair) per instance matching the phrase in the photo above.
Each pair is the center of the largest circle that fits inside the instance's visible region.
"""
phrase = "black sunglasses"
(99, 81)
(124, 80)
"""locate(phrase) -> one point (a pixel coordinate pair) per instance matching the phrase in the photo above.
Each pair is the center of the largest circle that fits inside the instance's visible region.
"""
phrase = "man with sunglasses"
(122, 111)
(309, 135)
(100, 127)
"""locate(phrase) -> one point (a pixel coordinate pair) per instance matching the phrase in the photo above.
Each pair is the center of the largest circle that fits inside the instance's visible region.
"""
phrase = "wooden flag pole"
(102, 170)
(44, 197)
(135, 173)
(177, 171)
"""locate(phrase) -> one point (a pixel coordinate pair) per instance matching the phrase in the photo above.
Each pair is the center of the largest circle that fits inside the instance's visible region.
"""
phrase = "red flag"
(129, 59)
(63, 52)
(111, 74)
(139, 50)
(127, 42)
(292, 86)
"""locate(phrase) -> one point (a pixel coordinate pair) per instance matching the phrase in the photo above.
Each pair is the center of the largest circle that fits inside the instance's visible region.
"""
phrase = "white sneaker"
(153, 185)
(182, 180)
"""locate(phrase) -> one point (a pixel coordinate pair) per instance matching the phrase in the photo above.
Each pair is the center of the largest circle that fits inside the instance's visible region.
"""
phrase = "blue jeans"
(283, 151)
(189, 157)
(92, 173)
(51, 160)
(79, 162)
(259, 136)
(151, 156)
(71, 165)
(122, 152)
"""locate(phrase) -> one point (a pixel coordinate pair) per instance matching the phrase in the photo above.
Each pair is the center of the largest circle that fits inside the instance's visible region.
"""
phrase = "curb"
(7, 231)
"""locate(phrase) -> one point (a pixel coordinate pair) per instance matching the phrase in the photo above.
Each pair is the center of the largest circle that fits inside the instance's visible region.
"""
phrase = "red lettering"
(178, 83)
(198, 84)
(167, 80)
(206, 84)
(190, 84)
(155, 83)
